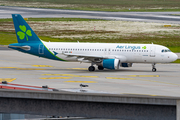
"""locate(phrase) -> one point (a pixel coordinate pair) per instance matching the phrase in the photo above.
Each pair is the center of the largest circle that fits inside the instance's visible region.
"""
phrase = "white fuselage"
(130, 53)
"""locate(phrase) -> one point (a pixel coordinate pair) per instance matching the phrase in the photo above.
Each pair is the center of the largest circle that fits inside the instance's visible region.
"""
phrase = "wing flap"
(93, 57)
(84, 56)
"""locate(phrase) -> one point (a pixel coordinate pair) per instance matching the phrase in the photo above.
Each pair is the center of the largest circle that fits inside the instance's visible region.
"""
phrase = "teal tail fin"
(24, 33)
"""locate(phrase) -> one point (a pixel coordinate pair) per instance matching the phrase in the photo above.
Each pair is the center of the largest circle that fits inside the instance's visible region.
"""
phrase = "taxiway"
(159, 17)
(21, 68)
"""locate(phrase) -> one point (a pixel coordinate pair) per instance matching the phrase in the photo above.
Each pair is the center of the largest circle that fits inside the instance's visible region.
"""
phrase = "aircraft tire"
(154, 69)
(91, 68)
(100, 67)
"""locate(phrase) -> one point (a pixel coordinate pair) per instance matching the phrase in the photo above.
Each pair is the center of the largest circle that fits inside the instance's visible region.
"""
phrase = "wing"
(95, 57)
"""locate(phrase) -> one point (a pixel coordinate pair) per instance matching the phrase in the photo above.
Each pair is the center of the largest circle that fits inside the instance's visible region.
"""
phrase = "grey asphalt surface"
(26, 69)
(162, 17)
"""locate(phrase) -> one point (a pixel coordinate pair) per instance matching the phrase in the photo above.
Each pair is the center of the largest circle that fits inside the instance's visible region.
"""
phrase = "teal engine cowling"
(111, 63)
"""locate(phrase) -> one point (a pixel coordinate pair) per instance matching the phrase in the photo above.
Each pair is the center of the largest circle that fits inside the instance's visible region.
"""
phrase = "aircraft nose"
(174, 57)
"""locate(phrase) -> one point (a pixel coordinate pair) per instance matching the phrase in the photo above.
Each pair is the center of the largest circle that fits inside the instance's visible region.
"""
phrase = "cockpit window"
(166, 50)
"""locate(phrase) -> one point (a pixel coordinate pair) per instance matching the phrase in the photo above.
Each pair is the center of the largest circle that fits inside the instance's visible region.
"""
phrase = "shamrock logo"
(23, 33)
(144, 47)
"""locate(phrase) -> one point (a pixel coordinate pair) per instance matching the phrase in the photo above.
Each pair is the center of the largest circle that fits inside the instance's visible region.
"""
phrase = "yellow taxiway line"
(119, 78)
(77, 68)
(82, 81)
(30, 69)
(8, 67)
(42, 66)
(70, 75)
(57, 78)
(143, 75)
(7, 79)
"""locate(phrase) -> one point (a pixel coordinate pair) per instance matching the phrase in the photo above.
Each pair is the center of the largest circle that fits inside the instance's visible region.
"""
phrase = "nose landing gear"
(154, 67)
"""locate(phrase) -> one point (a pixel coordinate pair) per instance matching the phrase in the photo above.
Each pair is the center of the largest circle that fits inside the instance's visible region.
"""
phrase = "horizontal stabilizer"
(21, 47)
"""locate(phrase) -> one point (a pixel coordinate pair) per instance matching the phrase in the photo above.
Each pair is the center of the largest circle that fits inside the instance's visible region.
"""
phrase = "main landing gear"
(100, 67)
(91, 68)
(154, 67)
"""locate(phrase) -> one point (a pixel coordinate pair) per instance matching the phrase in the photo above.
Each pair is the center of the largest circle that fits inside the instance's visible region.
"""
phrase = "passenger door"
(152, 51)
(41, 49)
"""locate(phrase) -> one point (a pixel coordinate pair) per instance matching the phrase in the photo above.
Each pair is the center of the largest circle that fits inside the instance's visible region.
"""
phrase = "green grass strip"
(104, 5)
(177, 61)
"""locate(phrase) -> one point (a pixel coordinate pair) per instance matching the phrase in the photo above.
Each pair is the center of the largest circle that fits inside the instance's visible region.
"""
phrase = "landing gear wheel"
(100, 67)
(91, 68)
(154, 69)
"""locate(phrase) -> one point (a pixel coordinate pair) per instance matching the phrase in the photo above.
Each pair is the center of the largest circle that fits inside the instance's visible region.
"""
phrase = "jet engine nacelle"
(126, 64)
(111, 63)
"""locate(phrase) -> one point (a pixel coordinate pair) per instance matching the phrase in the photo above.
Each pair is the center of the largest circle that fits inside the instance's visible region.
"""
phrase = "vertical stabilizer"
(24, 33)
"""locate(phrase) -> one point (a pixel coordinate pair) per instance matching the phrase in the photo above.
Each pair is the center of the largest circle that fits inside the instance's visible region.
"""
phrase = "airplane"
(104, 55)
